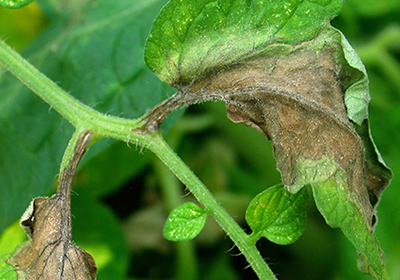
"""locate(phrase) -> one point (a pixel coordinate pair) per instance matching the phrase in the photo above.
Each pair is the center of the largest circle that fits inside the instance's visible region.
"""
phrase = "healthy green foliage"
(191, 37)
(278, 215)
(14, 4)
(185, 222)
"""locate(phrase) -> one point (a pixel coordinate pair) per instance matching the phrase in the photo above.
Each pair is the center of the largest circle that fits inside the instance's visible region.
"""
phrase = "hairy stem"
(187, 265)
(79, 142)
(85, 118)
(182, 98)
(81, 116)
(204, 196)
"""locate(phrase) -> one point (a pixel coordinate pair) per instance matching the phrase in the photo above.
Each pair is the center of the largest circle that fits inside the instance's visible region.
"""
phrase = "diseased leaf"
(185, 222)
(50, 252)
(278, 215)
(309, 97)
(295, 96)
(191, 37)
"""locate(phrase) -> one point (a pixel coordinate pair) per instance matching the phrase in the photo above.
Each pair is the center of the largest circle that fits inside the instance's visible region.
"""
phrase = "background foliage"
(94, 49)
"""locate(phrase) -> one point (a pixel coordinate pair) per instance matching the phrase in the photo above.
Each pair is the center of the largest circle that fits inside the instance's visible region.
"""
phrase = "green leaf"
(341, 210)
(99, 60)
(190, 37)
(7, 271)
(278, 215)
(185, 222)
(14, 4)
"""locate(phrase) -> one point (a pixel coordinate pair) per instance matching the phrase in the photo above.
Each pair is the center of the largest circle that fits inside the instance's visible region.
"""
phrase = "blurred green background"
(123, 194)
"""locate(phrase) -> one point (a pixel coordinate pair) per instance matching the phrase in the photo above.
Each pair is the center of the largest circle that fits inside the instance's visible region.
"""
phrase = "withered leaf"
(50, 253)
(296, 99)
(298, 102)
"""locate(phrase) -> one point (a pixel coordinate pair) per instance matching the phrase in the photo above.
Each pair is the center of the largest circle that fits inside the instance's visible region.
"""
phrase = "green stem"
(83, 118)
(204, 196)
(65, 104)
(187, 266)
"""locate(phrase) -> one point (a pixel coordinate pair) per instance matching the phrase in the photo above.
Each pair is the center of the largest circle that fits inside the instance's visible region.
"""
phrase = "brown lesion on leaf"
(50, 253)
(297, 101)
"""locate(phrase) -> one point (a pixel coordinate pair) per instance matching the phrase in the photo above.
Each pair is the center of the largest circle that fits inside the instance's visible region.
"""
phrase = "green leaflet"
(191, 37)
(185, 222)
(341, 210)
(14, 4)
(278, 215)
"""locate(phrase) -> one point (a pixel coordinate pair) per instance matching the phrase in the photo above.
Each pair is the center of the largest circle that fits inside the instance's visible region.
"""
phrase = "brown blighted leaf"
(50, 253)
(297, 101)
(296, 98)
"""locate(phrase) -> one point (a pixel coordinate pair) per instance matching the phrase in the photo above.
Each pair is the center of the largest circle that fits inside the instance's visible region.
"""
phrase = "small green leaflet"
(185, 222)
(278, 215)
(14, 4)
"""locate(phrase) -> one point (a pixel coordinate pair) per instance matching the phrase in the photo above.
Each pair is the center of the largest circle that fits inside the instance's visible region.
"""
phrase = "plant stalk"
(83, 118)
(204, 196)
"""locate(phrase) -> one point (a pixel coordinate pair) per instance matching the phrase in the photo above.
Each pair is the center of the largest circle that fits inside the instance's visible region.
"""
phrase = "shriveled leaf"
(309, 96)
(14, 4)
(50, 253)
(185, 222)
(340, 210)
(278, 215)
(294, 95)
(190, 37)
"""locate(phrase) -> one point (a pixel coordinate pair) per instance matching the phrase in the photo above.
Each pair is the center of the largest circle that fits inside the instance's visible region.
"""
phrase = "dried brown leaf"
(297, 101)
(50, 253)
